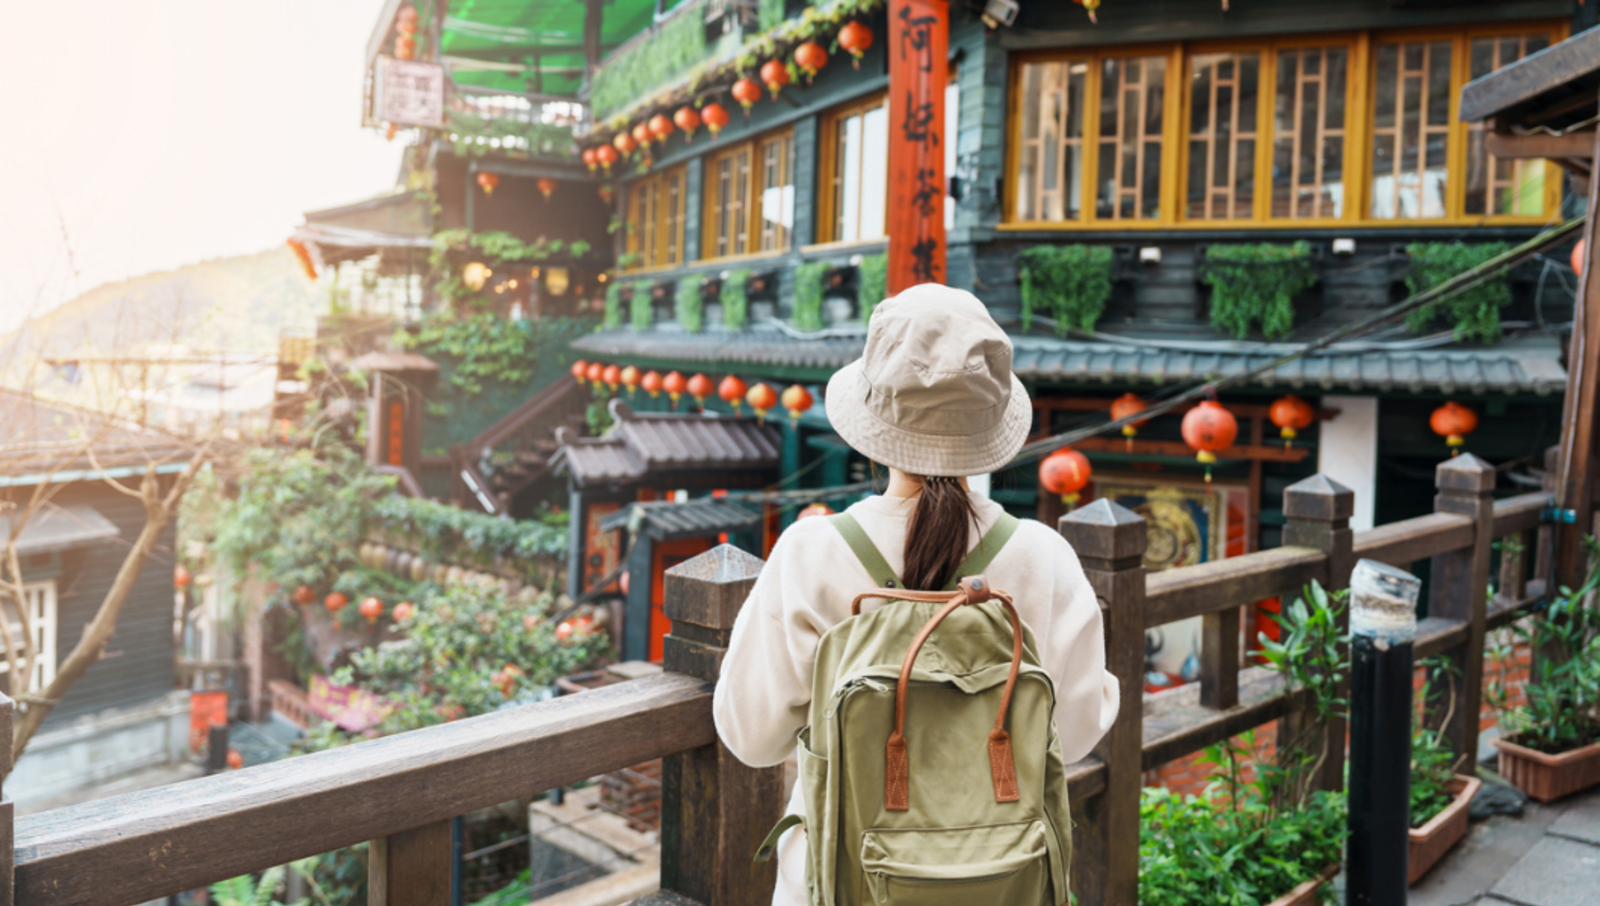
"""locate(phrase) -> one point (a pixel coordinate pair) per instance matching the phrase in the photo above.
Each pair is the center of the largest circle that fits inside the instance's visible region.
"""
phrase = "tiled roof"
(1528, 364)
(642, 443)
(664, 519)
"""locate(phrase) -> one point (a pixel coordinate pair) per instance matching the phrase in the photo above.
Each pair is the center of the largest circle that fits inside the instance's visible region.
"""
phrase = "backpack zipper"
(880, 881)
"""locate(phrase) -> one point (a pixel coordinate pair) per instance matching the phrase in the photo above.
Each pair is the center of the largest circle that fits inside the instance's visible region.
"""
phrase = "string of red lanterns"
(796, 399)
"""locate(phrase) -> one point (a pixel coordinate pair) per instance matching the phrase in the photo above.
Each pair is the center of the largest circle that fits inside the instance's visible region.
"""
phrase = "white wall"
(1347, 451)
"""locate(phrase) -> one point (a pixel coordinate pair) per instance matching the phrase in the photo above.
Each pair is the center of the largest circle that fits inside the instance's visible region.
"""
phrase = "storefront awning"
(665, 520)
(394, 225)
(659, 443)
(57, 528)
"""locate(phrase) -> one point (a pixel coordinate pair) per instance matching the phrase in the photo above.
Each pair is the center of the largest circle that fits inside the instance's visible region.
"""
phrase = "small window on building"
(39, 627)
(655, 219)
(855, 177)
(1132, 92)
(749, 197)
(1308, 145)
(1494, 186)
(1411, 130)
(1224, 93)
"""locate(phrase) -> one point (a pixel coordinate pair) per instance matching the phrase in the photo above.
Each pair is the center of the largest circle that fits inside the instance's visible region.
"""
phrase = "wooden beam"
(1573, 145)
(1404, 543)
(1530, 77)
(1176, 724)
(1458, 590)
(1257, 452)
(413, 867)
(1178, 594)
(1576, 490)
(146, 845)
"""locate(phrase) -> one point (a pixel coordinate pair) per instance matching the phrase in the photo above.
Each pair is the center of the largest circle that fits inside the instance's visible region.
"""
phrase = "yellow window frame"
(751, 217)
(828, 162)
(648, 231)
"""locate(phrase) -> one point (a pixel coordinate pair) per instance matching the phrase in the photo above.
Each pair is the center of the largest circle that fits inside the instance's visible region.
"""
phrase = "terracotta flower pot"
(1549, 777)
(1443, 831)
(1306, 893)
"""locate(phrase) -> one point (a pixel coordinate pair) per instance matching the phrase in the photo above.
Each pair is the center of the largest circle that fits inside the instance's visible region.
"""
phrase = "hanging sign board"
(410, 93)
(919, 40)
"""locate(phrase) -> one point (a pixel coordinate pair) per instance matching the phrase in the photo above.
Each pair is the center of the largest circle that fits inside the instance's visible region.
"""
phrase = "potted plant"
(1267, 835)
(1550, 744)
(1439, 796)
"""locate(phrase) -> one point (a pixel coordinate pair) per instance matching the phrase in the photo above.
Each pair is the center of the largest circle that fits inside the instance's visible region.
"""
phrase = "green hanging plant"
(1071, 282)
(1256, 283)
(613, 316)
(735, 299)
(639, 307)
(1475, 313)
(689, 306)
(872, 283)
(808, 295)
(658, 58)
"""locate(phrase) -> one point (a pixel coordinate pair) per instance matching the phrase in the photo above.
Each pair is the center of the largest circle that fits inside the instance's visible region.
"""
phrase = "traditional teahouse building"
(1161, 193)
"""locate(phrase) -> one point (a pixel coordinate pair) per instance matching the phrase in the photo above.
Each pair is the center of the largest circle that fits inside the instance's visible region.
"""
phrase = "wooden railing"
(401, 791)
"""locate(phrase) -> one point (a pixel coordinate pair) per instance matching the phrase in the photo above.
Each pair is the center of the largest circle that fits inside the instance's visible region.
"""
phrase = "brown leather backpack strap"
(900, 594)
(1002, 764)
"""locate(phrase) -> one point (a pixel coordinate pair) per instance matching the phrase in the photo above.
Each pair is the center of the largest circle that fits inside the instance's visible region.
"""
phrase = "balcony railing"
(483, 120)
(401, 791)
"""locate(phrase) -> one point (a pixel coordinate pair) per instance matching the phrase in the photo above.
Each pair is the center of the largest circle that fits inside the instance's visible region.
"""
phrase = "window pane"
(1050, 178)
(1410, 136)
(1222, 131)
(952, 124)
(1493, 186)
(777, 194)
(874, 172)
(673, 240)
(740, 207)
(1132, 92)
(1308, 137)
(849, 203)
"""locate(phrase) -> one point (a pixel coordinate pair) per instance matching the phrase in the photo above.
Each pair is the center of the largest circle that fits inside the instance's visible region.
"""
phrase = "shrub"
(1255, 283)
(1069, 282)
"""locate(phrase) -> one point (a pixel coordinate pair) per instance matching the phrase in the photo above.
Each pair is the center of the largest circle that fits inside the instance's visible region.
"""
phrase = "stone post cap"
(1319, 499)
(1465, 473)
(708, 590)
(1105, 530)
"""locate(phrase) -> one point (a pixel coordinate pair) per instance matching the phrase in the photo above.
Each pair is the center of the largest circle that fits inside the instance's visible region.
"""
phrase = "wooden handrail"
(406, 481)
(146, 845)
(518, 418)
(1192, 591)
(1409, 540)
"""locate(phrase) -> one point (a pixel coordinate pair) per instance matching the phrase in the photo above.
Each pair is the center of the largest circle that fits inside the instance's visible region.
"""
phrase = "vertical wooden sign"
(397, 433)
(919, 40)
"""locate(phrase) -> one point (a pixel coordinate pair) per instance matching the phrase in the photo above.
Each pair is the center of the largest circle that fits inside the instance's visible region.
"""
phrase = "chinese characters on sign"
(919, 37)
(412, 93)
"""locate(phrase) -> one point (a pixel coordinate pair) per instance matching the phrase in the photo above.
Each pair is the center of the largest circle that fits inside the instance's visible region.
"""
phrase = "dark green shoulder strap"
(865, 550)
(988, 546)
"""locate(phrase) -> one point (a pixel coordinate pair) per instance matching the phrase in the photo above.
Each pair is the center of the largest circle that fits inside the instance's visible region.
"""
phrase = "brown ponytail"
(936, 540)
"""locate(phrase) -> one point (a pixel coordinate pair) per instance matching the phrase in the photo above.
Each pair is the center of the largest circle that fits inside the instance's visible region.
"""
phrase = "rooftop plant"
(1475, 313)
(1070, 283)
(735, 299)
(689, 307)
(808, 295)
(872, 283)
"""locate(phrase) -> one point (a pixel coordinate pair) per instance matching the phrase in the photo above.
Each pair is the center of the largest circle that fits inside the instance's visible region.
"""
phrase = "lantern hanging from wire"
(1065, 472)
(810, 57)
(630, 378)
(715, 117)
(660, 127)
(547, 186)
(580, 368)
(1453, 422)
(651, 383)
(762, 399)
(596, 374)
(732, 390)
(855, 39)
(1124, 406)
(1578, 253)
(687, 119)
(1208, 428)
(487, 181)
(775, 75)
(701, 387)
(1292, 415)
(797, 399)
(612, 375)
(747, 91)
(676, 386)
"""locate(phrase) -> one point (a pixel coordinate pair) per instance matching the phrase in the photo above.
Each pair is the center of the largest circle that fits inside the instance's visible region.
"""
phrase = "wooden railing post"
(414, 867)
(1110, 542)
(714, 809)
(1318, 511)
(1458, 589)
(7, 813)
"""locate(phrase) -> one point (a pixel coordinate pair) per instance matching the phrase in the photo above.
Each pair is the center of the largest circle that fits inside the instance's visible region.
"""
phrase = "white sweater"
(764, 696)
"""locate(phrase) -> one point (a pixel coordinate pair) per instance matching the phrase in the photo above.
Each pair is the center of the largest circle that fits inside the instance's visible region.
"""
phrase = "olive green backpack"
(931, 770)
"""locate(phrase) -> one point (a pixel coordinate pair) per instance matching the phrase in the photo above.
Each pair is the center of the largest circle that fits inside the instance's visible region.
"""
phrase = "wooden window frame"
(647, 236)
(1360, 99)
(751, 219)
(45, 622)
(828, 167)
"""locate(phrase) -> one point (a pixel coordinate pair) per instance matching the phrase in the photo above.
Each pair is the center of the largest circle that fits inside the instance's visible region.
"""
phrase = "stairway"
(516, 451)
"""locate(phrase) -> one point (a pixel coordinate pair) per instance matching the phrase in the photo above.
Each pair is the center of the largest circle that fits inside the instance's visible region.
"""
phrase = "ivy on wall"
(613, 316)
(1255, 283)
(688, 305)
(482, 347)
(808, 295)
(658, 58)
(872, 283)
(735, 298)
(1475, 313)
(1069, 282)
(639, 306)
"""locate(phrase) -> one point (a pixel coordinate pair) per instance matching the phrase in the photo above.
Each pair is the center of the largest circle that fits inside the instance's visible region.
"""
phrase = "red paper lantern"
(1292, 415)
(675, 385)
(612, 375)
(1065, 472)
(304, 595)
(607, 155)
(641, 134)
(700, 387)
(797, 400)
(579, 369)
(687, 119)
(1208, 428)
(732, 391)
(660, 127)
(371, 608)
(335, 601)
(651, 382)
(1578, 252)
(855, 39)
(747, 91)
(1453, 422)
(810, 57)
(487, 181)
(1124, 406)
(596, 373)
(775, 75)
(715, 116)
(630, 378)
(180, 578)
(591, 158)
(815, 509)
(404, 611)
(762, 399)
(624, 143)
(546, 186)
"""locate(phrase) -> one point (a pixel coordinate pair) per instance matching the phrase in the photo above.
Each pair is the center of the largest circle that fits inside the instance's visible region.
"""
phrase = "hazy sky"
(164, 132)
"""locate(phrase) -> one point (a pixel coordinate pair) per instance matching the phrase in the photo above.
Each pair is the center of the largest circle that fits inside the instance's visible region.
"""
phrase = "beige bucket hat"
(933, 394)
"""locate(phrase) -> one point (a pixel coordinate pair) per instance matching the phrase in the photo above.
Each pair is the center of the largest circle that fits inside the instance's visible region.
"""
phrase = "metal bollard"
(1383, 630)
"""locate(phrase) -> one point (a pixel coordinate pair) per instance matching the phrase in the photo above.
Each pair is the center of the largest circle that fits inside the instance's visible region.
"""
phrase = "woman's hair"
(936, 540)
